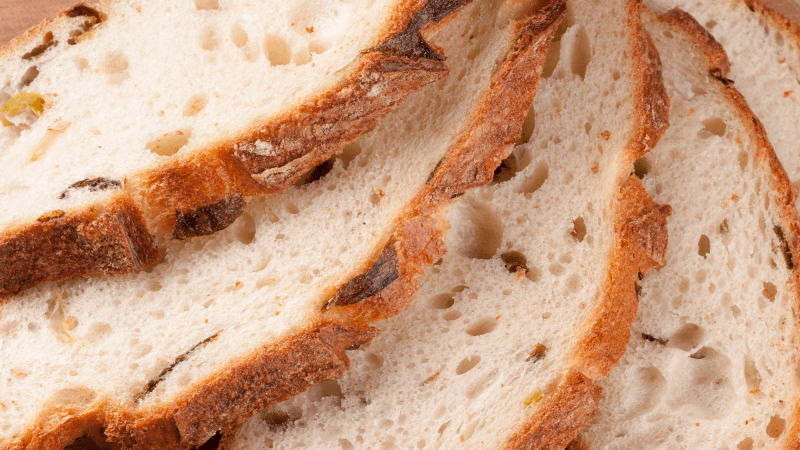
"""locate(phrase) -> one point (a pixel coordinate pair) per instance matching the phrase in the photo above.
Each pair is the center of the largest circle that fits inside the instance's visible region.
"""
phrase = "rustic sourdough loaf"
(712, 361)
(130, 122)
(534, 299)
(230, 324)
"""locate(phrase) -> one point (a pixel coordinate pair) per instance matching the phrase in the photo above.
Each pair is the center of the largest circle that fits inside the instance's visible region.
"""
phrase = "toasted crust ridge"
(305, 136)
(558, 419)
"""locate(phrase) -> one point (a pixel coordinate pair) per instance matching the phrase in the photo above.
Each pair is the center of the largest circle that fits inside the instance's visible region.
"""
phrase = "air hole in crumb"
(245, 230)
(441, 301)
(775, 426)
(467, 364)
(712, 127)
(349, 153)
(479, 386)
(206, 4)
(346, 445)
(317, 173)
(81, 64)
(452, 315)
(33, 327)
(703, 246)
(98, 331)
(736, 311)
(477, 231)
(687, 337)
(291, 208)
(578, 229)
(239, 36)
(552, 58)
(375, 359)
(481, 327)
(115, 62)
(581, 53)
(557, 269)
(745, 444)
(506, 170)
(710, 24)
(616, 75)
(527, 127)
(751, 376)
(743, 159)
(29, 76)
(170, 143)
(536, 180)
(317, 47)
(277, 51)
(195, 104)
(642, 167)
(667, 34)
(208, 40)
(770, 290)
(698, 91)
(574, 283)
(302, 57)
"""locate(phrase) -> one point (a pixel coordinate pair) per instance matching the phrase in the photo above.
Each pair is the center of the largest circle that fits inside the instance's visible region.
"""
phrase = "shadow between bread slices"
(196, 180)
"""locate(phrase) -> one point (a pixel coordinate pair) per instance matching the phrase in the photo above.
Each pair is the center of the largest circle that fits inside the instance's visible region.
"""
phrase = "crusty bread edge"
(641, 239)
(274, 373)
(784, 196)
(718, 66)
(190, 184)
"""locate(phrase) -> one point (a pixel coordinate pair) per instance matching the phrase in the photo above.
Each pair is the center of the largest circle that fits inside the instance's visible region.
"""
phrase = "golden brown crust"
(273, 374)
(652, 101)
(640, 236)
(104, 238)
(303, 138)
(560, 416)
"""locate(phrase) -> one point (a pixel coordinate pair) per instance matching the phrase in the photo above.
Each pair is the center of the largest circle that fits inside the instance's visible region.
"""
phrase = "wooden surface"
(17, 16)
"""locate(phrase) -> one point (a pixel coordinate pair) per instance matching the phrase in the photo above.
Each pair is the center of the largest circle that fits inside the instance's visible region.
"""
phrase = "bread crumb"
(309, 30)
(605, 135)
(787, 93)
(691, 112)
(735, 197)
(782, 60)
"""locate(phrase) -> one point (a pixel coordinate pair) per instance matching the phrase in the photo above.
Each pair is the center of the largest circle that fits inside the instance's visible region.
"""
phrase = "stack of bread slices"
(428, 224)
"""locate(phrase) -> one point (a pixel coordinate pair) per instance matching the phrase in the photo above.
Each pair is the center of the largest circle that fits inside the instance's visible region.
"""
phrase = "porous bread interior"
(765, 60)
(156, 78)
(255, 283)
(454, 370)
(726, 378)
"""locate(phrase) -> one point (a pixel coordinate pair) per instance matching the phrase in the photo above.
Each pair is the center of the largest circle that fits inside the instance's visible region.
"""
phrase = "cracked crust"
(785, 195)
(106, 238)
(277, 372)
(304, 136)
(640, 244)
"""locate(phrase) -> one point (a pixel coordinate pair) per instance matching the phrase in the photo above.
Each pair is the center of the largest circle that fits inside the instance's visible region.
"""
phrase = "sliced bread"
(230, 324)
(534, 300)
(127, 123)
(712, 361)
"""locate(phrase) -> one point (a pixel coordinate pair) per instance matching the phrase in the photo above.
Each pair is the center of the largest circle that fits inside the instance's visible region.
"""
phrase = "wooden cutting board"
(17, 16)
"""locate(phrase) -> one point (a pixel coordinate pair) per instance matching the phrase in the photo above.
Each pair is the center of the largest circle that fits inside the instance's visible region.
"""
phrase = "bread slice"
(712, 361)
(763, 51)
(233, 323)
(534, 300)
(128, 123)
